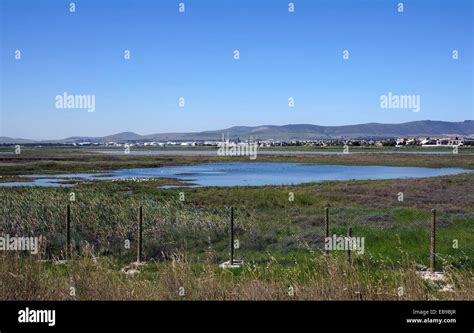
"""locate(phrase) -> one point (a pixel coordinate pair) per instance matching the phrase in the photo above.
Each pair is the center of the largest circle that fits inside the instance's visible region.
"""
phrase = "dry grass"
(281, 241)
(319, 278)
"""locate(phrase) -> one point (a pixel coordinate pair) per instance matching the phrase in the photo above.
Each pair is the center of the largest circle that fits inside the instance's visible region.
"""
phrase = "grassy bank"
(281, 240)
(59, 160)
(181, 278)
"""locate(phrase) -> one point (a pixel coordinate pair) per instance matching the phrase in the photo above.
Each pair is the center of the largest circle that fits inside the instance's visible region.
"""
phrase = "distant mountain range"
(285, 132)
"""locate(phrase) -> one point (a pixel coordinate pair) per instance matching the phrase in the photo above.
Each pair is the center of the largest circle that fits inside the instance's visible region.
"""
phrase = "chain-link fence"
(115, 229)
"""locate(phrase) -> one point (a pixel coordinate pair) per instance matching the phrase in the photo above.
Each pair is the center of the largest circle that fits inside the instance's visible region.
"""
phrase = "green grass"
(281, 241)
(67, 160)
(105, 220)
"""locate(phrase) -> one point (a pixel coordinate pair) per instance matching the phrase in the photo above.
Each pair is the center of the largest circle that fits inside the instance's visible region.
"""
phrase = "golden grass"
(182, 278)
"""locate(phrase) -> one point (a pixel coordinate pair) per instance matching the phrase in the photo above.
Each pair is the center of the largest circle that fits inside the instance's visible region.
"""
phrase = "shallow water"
(247, 174)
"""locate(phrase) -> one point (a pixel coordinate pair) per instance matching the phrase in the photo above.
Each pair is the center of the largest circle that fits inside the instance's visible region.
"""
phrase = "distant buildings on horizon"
(398, 142)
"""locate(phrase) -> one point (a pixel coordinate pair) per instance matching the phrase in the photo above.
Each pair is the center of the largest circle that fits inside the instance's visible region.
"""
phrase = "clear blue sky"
(191, 55)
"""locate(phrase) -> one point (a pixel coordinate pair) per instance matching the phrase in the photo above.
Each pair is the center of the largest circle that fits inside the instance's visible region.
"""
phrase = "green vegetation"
(281, 241)
(62, 160)
(180, 278)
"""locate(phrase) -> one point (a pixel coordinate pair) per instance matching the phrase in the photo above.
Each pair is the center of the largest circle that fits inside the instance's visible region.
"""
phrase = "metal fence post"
(349, 235)
(140, 235)
(232, 235)
(433, 240)
(326, 222)
(68, 232)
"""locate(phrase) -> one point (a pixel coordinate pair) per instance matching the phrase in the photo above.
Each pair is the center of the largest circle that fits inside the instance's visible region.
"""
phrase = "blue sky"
(190, 55)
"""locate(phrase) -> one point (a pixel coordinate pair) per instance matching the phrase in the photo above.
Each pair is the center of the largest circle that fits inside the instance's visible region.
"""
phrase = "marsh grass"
(107, 223)
(318, 277)
(183, 246)
(280, 241)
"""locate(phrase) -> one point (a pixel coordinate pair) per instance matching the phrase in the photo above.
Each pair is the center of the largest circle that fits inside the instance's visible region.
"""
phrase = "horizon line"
(229, 128)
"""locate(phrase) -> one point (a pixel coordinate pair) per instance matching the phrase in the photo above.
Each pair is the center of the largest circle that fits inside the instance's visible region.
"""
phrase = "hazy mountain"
(288, 132)
(307, 131)
(119, 137)
(7, 140)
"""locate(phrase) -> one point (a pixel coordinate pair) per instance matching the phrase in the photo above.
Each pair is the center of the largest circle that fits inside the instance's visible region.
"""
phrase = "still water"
(246, 174)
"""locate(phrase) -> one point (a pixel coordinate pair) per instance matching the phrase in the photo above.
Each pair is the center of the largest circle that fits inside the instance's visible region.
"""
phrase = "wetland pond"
(243, 174)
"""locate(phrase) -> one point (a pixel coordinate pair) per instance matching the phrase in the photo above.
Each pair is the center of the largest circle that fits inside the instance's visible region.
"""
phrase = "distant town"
(388, 142)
